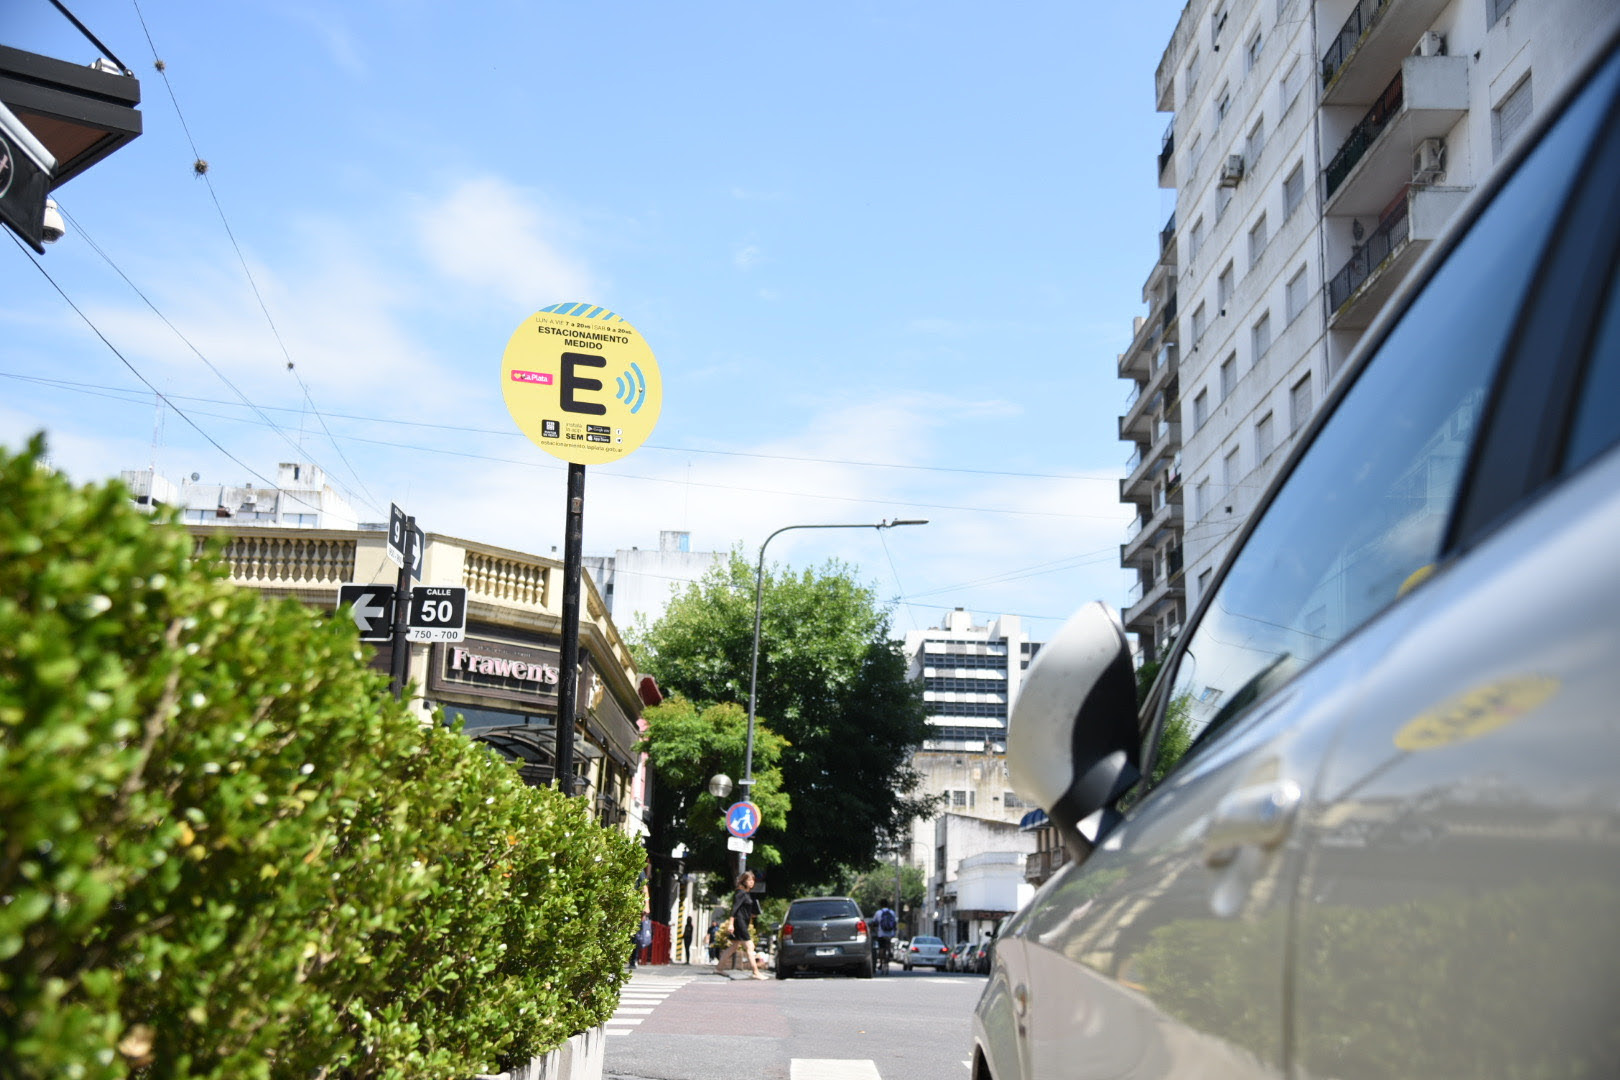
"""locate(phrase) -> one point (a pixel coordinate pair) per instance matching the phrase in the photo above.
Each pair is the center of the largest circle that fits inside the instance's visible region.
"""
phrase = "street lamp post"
(747, 783)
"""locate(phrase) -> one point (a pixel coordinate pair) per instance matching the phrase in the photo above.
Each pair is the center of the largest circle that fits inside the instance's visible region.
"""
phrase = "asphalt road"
(678, 1023)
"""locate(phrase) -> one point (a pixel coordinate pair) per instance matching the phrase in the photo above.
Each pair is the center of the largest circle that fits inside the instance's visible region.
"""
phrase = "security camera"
(52, 229)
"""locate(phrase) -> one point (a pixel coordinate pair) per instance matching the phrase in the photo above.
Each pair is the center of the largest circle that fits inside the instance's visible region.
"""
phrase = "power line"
(417, 448)
(1109, 478)
(200, 168)
(148, 383)
(85, 235)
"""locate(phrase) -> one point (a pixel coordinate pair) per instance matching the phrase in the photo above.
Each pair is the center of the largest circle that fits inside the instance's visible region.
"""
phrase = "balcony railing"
(1169, 312)
(1365, 134)
(1167, 235)
(1350, 34)
(1391, 233)
(1167, 148)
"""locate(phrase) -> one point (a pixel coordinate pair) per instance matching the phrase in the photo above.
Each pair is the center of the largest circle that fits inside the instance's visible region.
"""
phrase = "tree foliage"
(687, 746)
(831, 683)
(227, 851)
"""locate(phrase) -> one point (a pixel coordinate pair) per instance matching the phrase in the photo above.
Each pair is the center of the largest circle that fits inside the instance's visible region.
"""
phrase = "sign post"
(548, 379)
(399, 667)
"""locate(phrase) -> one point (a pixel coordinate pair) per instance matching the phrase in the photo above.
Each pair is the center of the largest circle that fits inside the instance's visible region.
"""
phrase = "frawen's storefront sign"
(496, 669)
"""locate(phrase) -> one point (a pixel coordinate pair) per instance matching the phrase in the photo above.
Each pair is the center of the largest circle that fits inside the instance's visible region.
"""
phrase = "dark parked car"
(1393, 848)
(824, 933)
(953, 959)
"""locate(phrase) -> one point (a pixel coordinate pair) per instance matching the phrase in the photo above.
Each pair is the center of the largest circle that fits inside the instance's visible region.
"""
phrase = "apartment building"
(1316, 150)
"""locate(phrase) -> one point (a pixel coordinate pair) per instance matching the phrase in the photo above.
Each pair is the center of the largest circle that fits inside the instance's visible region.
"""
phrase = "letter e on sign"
(572, 363)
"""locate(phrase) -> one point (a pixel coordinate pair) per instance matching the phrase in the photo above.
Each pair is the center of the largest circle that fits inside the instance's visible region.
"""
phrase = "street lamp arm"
(747, 783)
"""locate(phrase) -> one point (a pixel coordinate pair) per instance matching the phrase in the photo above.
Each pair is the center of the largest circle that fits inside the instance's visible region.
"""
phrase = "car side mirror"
(1073, 742)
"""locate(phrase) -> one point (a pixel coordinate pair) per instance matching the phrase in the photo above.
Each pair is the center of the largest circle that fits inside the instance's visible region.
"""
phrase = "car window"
(1597, 417)
(824, 909)
(1362, 517)
(926, 941)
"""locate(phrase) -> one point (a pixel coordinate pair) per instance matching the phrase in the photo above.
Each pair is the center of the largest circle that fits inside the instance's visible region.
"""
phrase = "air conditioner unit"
(1429, 161)
(1232, 170)
(1432, 43)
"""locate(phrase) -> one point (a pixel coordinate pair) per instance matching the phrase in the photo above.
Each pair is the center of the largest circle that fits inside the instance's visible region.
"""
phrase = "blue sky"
(886, 255)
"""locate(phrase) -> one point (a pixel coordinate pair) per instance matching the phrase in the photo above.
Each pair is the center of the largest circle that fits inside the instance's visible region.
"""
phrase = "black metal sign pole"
(399, 668)
(568, 677)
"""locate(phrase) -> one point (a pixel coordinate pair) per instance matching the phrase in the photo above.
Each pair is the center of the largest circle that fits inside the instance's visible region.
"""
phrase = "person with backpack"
(887, 924)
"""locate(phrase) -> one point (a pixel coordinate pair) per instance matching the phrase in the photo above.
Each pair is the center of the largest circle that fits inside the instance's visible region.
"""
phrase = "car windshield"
(824, 909)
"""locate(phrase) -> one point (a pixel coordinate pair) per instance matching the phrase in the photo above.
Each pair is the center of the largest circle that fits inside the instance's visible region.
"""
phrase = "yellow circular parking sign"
(581, 383)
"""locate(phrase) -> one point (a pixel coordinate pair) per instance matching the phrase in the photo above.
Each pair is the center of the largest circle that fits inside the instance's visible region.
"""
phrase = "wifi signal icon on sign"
(632, 388)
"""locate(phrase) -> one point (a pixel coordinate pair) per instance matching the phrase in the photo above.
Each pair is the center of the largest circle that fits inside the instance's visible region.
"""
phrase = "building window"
(1261, 336)
(1217, 23)
(1223, 289)
(1195, 240)
(1255, 143)
(1293, 190)
(1294, 296)
(1508, 118)
(1192, 74)
(1299, 403)
(1195, 154)
(1251, 54)
(960, 799)
(1200, 409)
(1223, 104)
(1223, 199)
(1203, 586)
(1230, 471)
(1495, 9)
(1293, 81)
(1198, 321)
(1201, 500)
(1228, 376)
(1257, 241)
(1265, 438)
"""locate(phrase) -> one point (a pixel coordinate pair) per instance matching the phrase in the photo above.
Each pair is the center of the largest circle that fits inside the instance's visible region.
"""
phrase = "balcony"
(1150, 531)
(1424, 101)
(1139, 615)
(1370, 276)
(1167, 157)
(1369, 47)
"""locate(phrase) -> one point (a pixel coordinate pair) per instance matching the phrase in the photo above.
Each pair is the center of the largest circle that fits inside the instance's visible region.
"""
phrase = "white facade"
(301, 499)
(637, 585)
(971, 676)
(1316, 150)
(979, 861)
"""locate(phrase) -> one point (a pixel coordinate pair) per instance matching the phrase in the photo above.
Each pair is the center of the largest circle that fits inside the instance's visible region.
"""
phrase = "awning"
(1033, 820)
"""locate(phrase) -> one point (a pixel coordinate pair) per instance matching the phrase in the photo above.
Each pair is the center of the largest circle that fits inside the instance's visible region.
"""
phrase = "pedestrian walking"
(708, 939)
(686, 940)
(743, 909)
(641, 939)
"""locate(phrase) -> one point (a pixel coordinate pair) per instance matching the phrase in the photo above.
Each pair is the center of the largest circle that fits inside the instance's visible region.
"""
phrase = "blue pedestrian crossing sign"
(742, 819)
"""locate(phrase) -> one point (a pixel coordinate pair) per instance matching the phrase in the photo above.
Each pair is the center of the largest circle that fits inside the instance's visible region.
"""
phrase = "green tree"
(831, 683)
(686, 746)
(1174, 737)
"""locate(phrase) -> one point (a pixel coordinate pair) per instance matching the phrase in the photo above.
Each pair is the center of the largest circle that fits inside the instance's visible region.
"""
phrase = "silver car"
(1393, 848)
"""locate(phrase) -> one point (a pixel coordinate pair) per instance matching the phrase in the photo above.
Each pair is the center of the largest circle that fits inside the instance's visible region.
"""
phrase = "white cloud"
(494, 237)
(746, 256)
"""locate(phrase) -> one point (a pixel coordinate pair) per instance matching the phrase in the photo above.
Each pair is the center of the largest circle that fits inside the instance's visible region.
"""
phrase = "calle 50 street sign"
(433, 614)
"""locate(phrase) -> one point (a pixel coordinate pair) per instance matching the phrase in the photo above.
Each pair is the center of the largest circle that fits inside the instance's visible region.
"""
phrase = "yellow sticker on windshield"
(1475, 712)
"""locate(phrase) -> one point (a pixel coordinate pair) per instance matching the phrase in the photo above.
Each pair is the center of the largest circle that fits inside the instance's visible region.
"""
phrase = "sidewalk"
(704, 969)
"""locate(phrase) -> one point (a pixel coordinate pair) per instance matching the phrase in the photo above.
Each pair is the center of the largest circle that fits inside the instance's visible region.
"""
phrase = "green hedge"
(226, 851)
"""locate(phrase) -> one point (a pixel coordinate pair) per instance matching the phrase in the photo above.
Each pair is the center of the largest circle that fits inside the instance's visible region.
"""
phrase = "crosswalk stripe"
(624, 1023)
(832, 1069)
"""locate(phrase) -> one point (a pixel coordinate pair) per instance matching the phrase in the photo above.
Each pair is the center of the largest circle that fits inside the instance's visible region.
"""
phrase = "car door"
(1168, 951)
(1459, 911)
